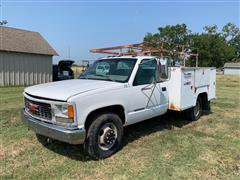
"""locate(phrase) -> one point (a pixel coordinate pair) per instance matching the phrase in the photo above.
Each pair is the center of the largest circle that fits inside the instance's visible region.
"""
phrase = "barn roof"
(18, 40)
(232, 65)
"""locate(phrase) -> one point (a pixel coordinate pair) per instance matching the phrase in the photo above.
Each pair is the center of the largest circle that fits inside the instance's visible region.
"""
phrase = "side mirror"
(163, 70)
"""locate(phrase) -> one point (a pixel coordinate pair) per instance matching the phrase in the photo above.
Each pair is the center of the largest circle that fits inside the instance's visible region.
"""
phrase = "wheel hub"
(107, 136)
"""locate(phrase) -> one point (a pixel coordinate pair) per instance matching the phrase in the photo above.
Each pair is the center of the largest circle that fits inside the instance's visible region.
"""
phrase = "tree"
(214, 48)
(230, 31)
(232, 35)
(176, 34)
(172, 34)
(211, 29)
(2, 23)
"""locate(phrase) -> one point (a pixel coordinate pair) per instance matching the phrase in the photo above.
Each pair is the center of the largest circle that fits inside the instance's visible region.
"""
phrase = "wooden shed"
(25, 58)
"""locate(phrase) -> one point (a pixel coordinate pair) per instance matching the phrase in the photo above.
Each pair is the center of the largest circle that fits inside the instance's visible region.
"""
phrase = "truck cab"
(112, 93)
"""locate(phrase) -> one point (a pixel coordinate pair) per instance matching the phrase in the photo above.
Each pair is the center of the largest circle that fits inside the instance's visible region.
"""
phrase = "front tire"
(104, 136)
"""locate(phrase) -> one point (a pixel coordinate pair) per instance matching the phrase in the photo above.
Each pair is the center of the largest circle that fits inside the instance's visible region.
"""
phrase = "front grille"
(38, 109)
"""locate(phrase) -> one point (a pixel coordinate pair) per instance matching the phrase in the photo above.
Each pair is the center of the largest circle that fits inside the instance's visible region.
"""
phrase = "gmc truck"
(93, 109)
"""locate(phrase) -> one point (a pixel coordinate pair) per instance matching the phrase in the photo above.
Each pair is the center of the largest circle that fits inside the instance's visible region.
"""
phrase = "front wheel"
(104, 136)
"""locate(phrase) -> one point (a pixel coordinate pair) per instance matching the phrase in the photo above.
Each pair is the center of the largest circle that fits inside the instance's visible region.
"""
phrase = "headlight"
(64, 113)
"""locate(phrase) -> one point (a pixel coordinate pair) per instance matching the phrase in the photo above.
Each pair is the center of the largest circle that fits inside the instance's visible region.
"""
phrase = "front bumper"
(75, 136)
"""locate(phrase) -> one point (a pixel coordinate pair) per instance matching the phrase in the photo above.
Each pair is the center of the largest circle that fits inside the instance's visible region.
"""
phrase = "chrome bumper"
(75, 136)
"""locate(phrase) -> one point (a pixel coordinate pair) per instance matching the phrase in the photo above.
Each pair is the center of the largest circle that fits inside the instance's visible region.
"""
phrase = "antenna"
(69, 52)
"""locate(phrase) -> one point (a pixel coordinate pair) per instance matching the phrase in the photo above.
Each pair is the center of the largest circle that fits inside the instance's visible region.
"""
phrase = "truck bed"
(186, 83)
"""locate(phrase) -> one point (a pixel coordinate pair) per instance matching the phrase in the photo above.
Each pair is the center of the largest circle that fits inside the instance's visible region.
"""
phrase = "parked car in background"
(63, 71)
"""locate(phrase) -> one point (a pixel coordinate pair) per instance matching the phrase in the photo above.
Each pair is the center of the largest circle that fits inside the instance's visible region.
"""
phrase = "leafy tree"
(177, 34)
(230, 31)
(214, 48)
(232, 35)
(211, 29)
(173, 34)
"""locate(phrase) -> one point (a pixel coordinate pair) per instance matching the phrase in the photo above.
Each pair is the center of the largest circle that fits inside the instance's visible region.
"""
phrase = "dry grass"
(167, 147)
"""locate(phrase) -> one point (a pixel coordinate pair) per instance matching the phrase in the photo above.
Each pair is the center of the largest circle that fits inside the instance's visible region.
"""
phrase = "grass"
(167, 147)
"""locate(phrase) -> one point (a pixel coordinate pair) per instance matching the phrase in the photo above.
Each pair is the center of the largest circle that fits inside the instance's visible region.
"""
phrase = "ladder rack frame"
(145, 48)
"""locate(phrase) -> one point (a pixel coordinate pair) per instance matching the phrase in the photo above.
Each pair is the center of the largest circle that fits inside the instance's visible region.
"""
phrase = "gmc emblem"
(33, 107)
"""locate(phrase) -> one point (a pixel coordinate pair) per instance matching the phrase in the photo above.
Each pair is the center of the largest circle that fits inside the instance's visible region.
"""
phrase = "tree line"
(214, 46)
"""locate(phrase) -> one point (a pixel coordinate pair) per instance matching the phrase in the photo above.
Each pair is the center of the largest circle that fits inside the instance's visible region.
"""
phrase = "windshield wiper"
(83, 76)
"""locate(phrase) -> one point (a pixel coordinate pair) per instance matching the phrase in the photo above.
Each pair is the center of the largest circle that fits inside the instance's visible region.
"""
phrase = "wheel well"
(204, 100)
(117, 109)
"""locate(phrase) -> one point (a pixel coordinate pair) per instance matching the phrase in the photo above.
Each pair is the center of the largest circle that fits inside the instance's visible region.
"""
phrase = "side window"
(147, 72)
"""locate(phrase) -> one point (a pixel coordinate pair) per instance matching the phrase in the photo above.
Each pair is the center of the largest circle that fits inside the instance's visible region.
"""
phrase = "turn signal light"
(70, 111)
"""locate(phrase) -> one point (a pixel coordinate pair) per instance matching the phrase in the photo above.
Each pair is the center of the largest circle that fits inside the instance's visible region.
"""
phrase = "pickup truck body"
(130, 101)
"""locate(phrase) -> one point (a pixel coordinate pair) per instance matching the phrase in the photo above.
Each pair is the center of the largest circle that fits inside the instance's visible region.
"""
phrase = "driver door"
(148, 99)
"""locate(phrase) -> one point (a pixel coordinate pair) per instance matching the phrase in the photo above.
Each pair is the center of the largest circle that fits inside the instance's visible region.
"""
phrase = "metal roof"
(229, 65)
(23, 41)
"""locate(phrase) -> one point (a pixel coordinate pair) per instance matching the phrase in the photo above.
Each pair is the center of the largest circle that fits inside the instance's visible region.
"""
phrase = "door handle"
(164, 88)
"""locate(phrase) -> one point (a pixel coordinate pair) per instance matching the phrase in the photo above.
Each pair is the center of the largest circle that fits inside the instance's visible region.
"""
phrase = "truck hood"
(63, 90)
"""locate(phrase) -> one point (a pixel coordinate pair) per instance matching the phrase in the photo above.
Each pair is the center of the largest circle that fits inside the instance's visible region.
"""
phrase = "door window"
(147, 72)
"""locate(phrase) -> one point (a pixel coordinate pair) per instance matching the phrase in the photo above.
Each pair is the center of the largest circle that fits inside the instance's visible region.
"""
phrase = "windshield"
(118, 70)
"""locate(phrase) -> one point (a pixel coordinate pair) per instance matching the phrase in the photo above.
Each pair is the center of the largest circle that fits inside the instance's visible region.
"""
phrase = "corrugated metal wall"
(21, 69)
(233, 71)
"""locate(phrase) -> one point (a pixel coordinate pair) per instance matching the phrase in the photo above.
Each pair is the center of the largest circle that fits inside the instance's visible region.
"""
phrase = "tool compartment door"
(187, 98)
(202, 77)
(212, 87)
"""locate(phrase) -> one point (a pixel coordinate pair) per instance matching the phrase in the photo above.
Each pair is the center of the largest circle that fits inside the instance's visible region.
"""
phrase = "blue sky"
(82, 25)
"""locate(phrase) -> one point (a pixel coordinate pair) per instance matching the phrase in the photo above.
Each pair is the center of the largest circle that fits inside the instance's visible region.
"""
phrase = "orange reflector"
(70, 112)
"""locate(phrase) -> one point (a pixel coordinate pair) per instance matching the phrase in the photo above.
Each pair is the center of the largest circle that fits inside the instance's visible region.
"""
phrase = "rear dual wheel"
(104, 136)
(195, 112)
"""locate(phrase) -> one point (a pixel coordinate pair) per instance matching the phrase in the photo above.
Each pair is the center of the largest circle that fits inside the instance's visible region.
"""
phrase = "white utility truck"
(93, 109)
